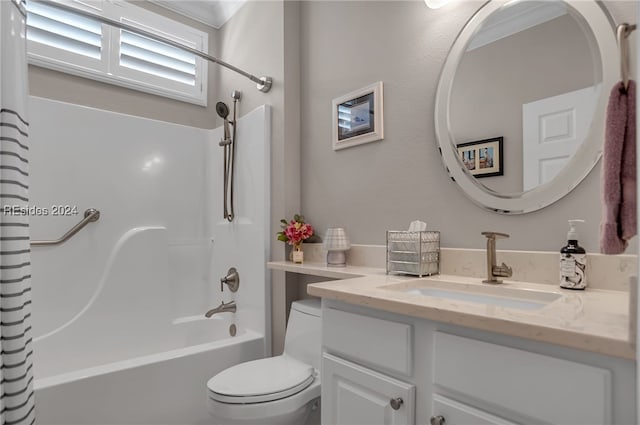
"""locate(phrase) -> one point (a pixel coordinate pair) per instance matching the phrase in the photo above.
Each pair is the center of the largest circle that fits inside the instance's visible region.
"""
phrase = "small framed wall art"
(482, 158)
(357, 117)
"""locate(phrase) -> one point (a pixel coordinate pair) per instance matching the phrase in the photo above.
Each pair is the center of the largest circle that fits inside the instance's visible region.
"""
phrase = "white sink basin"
(501, 295)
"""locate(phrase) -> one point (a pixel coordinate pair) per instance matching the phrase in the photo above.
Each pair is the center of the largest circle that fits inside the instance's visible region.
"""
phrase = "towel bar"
(622, 32)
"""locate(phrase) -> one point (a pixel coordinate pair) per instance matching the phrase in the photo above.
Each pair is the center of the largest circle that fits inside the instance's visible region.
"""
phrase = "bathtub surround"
(16, 359)
(126, 298)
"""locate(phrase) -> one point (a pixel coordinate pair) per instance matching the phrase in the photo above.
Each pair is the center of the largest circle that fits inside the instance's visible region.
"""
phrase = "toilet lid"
(261, 380)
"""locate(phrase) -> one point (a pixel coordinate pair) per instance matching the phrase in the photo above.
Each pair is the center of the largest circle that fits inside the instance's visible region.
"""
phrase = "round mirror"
(521, 101)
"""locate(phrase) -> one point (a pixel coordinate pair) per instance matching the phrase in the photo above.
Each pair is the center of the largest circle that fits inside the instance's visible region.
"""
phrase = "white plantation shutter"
(71, 43)
(63, 30)
(62, 41)
(150, 56)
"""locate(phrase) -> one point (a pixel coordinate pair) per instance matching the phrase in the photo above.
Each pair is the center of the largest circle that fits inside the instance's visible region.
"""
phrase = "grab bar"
(90, 215)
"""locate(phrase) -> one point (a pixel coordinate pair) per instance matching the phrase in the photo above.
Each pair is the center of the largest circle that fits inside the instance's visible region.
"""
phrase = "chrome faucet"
(494, 270)
(222, 308)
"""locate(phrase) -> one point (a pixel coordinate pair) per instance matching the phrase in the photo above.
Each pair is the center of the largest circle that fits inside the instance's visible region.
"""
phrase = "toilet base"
(313, 417)
(308, 414)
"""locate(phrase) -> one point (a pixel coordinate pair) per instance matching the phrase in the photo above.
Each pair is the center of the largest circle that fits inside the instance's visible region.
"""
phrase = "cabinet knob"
(396, 403)
(437, 420)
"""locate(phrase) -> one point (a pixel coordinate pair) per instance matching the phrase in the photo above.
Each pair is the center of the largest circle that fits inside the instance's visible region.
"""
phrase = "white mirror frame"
(600, 29)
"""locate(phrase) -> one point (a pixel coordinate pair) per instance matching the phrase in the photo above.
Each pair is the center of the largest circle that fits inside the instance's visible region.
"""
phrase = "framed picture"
(357, 117)
(482, 158)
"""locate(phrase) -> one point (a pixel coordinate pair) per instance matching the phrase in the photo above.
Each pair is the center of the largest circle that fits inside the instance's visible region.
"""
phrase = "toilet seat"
(261, 380)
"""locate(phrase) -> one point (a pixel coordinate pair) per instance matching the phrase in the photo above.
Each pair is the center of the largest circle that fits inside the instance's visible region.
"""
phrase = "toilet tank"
(302, 339)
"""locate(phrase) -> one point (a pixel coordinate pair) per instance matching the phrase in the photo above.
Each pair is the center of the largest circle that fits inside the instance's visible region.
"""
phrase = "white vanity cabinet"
(451, 375)
(363, 361)
(449, 411)
(523, 386)
(356, 395)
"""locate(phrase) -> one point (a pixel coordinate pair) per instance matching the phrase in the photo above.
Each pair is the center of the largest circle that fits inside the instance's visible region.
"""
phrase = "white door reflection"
(552, 130)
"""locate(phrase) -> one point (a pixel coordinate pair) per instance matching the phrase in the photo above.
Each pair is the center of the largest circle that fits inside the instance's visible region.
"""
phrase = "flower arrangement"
(295, 231)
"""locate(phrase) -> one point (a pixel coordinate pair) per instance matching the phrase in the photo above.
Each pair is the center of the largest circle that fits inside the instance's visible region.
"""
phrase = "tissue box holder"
(414, 253)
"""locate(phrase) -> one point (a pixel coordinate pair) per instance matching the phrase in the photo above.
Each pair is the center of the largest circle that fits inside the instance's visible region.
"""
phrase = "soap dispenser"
(573, 261)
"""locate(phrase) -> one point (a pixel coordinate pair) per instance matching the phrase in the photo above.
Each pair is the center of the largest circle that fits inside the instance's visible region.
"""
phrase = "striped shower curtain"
(16, 374)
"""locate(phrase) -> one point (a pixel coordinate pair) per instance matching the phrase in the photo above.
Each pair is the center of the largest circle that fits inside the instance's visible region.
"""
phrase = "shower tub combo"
(118, 311)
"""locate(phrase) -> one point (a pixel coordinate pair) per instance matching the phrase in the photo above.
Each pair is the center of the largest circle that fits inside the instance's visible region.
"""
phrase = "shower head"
(222, 109)
(223, 112)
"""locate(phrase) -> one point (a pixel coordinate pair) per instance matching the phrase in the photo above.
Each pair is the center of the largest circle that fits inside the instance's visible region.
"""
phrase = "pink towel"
(619, 217)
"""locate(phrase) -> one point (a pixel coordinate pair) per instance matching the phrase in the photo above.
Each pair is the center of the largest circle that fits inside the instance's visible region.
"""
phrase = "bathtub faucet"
(222, 308)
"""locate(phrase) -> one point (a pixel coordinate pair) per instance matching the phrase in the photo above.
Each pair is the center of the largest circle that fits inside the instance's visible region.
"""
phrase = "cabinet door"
(454, 413)
(355, 395)
(536, 387)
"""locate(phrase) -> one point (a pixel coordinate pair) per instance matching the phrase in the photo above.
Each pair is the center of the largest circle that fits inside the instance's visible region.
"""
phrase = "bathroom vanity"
(401, 350)
(393, 369)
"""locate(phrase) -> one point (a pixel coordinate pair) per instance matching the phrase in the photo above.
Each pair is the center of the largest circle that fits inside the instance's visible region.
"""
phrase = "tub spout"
(222, 308)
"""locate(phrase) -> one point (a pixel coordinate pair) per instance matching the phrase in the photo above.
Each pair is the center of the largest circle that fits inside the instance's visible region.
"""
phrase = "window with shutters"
(71, 43)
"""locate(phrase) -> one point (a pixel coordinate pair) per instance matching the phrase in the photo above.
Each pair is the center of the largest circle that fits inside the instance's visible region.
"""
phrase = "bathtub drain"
(232, 330)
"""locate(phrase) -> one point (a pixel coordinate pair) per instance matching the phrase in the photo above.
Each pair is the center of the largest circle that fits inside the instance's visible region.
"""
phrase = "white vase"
(297, 254)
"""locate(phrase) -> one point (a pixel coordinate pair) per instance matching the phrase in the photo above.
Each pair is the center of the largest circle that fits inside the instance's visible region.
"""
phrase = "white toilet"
(281, 390)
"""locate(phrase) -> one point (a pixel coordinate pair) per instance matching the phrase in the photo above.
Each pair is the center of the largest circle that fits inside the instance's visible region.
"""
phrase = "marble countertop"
(594, 320)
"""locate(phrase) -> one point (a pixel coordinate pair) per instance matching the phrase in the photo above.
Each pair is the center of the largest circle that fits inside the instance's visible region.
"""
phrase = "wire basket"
(414, 253)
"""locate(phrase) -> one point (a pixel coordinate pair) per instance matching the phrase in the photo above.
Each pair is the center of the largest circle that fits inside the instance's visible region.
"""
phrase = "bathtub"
(122, 359)
(167, 387)
(120, 335)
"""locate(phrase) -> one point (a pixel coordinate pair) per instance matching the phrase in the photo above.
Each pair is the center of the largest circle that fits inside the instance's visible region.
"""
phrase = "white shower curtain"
(16, 374)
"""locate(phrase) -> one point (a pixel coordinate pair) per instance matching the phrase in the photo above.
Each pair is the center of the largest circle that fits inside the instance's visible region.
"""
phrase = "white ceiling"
(211, 12)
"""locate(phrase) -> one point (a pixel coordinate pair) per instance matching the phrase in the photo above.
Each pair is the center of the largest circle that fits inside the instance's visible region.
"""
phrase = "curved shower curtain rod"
(263, 83)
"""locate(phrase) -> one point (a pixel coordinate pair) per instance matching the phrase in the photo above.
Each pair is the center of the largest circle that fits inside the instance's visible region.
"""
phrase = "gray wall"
(510, 78)
(384, 185)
